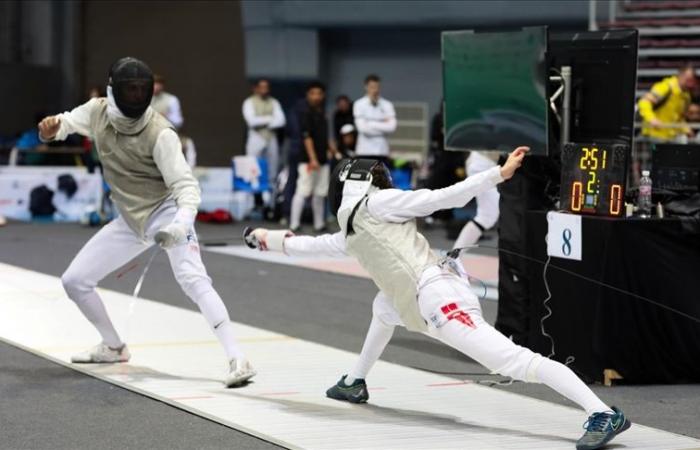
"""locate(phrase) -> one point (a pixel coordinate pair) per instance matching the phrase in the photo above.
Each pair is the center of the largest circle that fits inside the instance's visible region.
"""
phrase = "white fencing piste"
(176, 360)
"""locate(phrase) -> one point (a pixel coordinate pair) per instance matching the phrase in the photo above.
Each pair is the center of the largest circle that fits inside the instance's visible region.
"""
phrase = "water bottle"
(644, 198)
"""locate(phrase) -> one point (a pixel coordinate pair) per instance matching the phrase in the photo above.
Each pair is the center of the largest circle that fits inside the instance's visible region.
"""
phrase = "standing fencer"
(157, 197)
(487, 211)
(423, 292)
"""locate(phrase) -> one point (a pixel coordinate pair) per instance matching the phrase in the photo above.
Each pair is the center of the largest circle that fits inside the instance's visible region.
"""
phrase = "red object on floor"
(216, 216)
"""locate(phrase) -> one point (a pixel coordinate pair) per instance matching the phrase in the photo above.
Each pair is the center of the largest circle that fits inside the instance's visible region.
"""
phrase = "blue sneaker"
(601, 428)
(354, 393)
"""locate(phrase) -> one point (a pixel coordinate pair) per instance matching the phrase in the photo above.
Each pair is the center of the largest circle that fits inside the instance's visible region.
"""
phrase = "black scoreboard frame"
(594, 178)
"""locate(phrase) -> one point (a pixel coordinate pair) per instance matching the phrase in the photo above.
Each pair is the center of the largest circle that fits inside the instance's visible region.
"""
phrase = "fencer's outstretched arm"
(395, 205)
(325, 245)
(332, 245)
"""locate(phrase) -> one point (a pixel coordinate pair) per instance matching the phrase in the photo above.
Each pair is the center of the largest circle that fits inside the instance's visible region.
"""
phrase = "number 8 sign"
(564, 235)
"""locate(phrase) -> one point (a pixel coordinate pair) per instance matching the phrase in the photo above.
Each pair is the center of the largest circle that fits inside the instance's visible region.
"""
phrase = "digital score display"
(593, 178)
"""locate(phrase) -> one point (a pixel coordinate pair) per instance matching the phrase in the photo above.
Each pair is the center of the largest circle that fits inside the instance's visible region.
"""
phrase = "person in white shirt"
(421, 291)
(263, 115)
(375, 118)
(166, 103)
(157, 197)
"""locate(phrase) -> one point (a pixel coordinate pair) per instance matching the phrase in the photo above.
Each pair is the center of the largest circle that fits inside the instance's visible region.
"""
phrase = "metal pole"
(566, 105)
(592, 22)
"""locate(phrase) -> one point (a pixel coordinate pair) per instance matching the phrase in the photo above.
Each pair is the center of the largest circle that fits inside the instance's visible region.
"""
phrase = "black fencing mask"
(132, 86)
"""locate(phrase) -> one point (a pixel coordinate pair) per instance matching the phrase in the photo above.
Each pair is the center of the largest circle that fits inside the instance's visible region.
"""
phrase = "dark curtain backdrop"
(196, 45)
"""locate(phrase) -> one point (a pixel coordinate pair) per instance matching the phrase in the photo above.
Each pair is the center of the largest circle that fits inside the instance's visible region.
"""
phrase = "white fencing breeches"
(454, 316)
(115, 245)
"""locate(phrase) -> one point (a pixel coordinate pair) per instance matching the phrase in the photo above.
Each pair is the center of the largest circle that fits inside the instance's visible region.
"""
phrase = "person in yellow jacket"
(666, 103)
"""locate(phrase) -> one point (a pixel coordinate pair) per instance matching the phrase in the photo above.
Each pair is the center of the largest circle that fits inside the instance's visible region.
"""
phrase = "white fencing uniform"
(152, 186)
(374, 121)
(487, 211)
(263, 117)
(449, 310)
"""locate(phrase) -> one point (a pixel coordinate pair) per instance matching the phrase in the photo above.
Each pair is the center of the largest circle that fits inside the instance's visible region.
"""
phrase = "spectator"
(313, 169)
(166, 103)
(295, 149)
(341, 117)
(692, 115)
(346, 144)
(375, 118)
(665, 104)
(263, 115)
(28, 148)
(96, 92)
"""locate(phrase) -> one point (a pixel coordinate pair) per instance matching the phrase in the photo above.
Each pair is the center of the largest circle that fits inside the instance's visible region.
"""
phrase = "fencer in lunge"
(157, 197)
(423, 292)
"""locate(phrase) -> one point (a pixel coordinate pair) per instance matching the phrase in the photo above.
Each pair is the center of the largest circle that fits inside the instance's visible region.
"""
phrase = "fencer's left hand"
(514, 161)
(171, 235)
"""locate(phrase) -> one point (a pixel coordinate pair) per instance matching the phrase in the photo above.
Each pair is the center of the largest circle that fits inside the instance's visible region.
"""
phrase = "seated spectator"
(665, 105)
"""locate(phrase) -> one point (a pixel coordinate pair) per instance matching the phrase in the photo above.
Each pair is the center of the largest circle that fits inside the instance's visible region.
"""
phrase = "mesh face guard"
(132, 86)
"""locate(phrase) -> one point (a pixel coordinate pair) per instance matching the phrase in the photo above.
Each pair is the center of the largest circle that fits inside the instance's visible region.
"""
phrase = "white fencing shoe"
(240, 372)
(101, 353)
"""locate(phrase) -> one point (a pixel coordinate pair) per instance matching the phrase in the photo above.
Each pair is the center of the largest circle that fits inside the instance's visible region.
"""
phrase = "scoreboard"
(593, 178)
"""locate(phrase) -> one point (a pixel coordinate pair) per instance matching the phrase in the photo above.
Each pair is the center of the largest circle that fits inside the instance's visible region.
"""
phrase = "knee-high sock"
(318, 205)
(560, 378)
(90, 304)
(216, 314)
(469, 235)
(297, 209)
(378, 336)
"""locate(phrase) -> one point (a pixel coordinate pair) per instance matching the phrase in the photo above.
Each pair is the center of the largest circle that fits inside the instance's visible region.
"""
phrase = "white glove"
(171, 236)
(264, 239)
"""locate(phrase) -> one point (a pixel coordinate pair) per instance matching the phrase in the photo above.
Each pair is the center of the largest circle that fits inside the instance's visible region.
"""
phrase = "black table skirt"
(604, 329)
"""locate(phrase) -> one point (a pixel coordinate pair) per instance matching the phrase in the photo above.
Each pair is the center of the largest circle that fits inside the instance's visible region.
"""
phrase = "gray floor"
(47, 406)
(322, 307)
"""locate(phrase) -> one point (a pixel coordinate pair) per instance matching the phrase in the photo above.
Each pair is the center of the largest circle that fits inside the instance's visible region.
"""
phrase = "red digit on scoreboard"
(615, 199)
(576, 196)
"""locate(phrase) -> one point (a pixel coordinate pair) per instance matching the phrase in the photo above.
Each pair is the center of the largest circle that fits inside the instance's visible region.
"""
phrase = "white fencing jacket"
(386, 241)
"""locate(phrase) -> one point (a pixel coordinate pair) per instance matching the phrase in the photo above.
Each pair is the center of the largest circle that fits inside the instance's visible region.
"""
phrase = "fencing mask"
(132, 86)
(354, 177)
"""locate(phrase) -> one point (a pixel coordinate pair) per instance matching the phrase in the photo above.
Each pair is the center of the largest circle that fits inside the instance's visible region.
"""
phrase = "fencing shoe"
(601, 428)
(354, 393)
(241, 371)
(101, 353)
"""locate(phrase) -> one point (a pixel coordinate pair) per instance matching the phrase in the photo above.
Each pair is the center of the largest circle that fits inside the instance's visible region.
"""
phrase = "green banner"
(494, 90)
